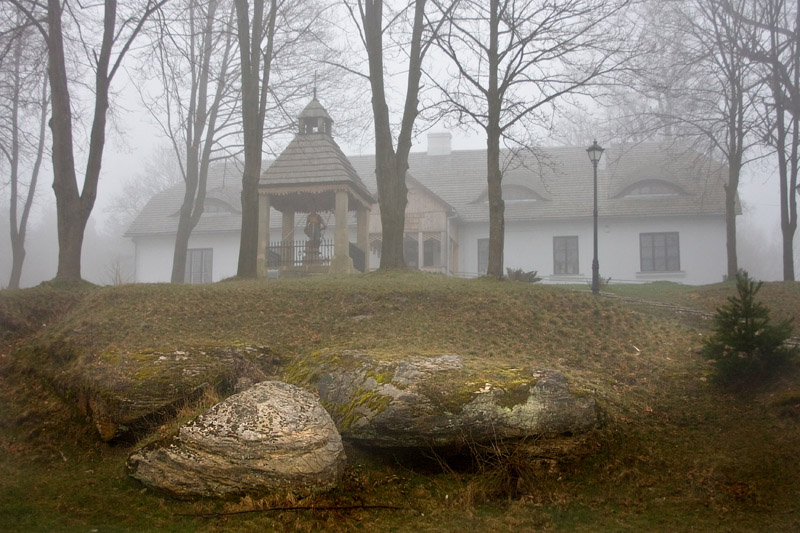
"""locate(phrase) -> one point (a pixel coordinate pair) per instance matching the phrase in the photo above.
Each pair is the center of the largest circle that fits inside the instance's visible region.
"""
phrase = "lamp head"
(595, 151)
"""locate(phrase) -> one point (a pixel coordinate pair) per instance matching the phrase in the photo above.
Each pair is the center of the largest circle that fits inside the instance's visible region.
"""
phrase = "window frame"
(431, 252)
(657, 256)
(411, 251)
(204, 258)
(571, 244)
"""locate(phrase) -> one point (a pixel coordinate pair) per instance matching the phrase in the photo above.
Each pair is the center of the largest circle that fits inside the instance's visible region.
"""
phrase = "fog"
(133, 140)
(108, 256)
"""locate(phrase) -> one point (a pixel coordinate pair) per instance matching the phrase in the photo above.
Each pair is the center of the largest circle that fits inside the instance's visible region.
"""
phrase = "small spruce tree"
(745, 345)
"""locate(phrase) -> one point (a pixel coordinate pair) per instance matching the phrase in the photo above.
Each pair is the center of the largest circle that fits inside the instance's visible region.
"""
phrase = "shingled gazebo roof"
(307, 174)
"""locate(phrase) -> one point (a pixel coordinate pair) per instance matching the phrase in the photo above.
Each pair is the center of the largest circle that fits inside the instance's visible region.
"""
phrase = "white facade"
(529, 246)
(661, 217)
(154, 255)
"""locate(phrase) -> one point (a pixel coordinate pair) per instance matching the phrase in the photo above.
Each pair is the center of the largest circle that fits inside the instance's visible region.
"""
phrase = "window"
(431, 252)
(216, 207)
(411, 252)
(512, 193)
(483, 256)
(648, 188)
(660, 252)
(565, 255)
(198, 265)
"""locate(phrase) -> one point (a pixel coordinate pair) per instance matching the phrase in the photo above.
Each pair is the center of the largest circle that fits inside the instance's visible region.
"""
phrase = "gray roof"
(312, 159)
(561, 179)
(160, 215)
(314, 109)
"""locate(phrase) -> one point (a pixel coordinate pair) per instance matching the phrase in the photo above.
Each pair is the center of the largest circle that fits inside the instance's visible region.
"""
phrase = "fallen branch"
(292, 508)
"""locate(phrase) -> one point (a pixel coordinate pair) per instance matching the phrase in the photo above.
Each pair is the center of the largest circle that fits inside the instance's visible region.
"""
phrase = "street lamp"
(595, 151)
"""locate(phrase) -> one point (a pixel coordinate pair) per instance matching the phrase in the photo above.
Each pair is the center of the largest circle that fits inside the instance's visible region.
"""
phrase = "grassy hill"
(678, 453)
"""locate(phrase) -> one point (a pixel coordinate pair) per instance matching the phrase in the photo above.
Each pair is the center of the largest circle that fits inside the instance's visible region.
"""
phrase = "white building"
(661, 215)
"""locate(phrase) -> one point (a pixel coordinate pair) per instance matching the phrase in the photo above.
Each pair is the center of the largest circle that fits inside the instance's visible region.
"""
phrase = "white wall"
(154, 256)
(529, 246)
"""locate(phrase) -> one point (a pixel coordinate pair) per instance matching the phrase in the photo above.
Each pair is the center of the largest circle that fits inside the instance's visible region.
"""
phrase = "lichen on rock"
(440, 400)
(129, 391)
(273, 436)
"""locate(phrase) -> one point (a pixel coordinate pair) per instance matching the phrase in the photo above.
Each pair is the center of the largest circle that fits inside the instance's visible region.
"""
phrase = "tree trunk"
(255, 84)
(248, 244)
(200, 130)
(789, 222)
(393, 194)
(185, 225)
(18, 257)
(730, 230)
(64, 180)
(74, 208)
(496, 206)
(731, 188)
(391, 180)
(493, 132)
(18, 225)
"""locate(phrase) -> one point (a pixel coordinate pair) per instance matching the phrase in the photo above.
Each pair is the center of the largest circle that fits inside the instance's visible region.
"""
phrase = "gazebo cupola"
(313, 177)
(314, 119)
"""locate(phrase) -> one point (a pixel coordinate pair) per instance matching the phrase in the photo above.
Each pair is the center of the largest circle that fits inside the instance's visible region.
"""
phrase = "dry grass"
(677, 455)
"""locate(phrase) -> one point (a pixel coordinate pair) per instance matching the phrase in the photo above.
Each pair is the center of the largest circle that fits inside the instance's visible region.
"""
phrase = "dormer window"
(512, 193)
(217, 207)
(651, 188)
(213, 207)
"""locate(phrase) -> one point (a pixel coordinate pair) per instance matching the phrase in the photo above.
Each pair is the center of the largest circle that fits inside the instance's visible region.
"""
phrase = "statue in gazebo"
(314, 228)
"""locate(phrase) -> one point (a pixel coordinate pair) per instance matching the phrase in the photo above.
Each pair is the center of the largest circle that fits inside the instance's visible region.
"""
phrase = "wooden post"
(263, 233)
(341, 262)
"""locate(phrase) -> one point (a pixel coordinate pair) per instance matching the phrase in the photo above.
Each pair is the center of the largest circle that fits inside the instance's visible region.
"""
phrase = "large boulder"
(442, 400)
(127, 392)
(273, 436)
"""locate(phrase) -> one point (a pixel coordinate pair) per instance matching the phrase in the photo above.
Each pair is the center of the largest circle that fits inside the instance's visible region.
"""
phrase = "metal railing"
(299, 253)
(304, 253)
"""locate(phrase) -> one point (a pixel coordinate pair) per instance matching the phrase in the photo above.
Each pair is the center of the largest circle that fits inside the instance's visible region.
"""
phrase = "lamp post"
(595, 151)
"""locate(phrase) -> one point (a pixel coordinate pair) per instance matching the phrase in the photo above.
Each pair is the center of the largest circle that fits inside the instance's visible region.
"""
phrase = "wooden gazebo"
(313, 177)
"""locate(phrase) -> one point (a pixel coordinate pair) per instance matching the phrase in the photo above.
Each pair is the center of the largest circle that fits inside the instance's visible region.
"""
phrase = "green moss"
(346, 414)
(514, 394)
(307, 370)
(384, 377)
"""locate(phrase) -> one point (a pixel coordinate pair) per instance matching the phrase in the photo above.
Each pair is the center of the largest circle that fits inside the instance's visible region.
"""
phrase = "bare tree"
(772, 41)
(391, 164)
(192, 59)
(117, 31)
(691, 82)
(717, 97)
(513, 61)
(24, 101)
(728, 117)
(283, 45)
(256, 34)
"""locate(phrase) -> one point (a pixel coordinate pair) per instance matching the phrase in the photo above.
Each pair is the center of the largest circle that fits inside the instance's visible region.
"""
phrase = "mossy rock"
(129, 392)
(443, 400)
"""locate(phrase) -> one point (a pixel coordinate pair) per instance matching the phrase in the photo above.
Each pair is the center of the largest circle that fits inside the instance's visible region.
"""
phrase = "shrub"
(744, 344)
(517, 274)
